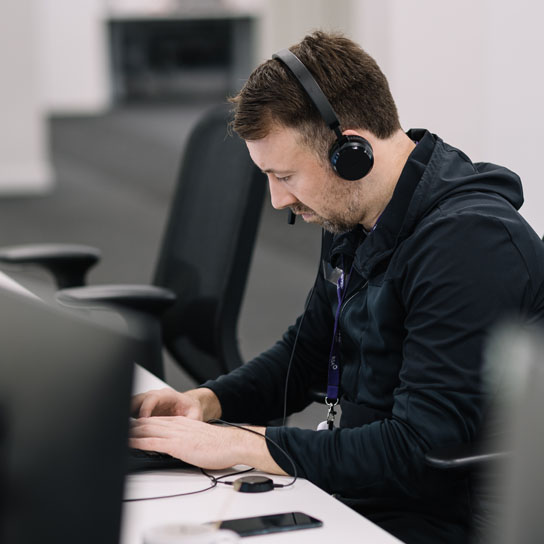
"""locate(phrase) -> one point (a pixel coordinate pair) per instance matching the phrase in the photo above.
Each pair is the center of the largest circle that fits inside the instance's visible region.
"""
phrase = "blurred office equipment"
(182, 53)
(517, 366)
(504, 465)
(65, 386)
(204, 259)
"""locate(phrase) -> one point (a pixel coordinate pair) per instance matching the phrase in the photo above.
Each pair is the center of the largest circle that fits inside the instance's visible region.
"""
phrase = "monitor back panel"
(64, 399)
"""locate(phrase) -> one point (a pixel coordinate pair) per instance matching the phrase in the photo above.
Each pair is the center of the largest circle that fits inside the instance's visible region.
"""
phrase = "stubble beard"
(336, 222)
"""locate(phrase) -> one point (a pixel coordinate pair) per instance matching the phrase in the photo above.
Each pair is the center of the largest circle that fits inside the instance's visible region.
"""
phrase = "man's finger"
(149, 444)
(147, 406)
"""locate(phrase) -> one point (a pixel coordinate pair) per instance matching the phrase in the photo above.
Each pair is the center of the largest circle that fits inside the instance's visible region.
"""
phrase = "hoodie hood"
(446, 171)
(434, 171)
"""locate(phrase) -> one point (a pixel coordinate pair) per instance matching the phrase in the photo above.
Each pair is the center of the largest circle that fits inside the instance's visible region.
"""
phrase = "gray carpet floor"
(115, 174)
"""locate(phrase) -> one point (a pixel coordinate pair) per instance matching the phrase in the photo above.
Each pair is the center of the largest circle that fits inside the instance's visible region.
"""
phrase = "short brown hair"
(350, 78)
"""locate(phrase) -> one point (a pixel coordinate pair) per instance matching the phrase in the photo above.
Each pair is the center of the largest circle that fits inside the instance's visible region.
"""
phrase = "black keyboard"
(152, 460)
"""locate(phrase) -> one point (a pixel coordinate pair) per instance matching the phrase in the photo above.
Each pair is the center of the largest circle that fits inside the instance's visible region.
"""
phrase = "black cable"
(289, 458)
(214, 484)
(215, 480)
(293, 349)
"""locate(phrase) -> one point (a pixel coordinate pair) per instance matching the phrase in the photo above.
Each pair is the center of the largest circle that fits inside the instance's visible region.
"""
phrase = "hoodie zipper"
(350, 299)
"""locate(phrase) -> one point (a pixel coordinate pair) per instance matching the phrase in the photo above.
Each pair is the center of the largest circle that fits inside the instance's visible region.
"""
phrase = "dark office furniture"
(465, 456)
(184, 54)
(68, 263)
(204, 260)
(514, 357)
(65, 385)
(521, 482)
(482, 463)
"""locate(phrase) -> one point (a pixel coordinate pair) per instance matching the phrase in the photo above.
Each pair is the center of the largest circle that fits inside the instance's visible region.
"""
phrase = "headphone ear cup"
(351, 157)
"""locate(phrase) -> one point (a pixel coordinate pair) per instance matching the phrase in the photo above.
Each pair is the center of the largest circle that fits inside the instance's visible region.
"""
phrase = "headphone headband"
(305, 78)
(351, 157)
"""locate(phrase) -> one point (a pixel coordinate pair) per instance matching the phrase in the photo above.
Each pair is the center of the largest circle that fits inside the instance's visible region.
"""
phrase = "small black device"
(271, 523)
(291, 218)
(351, 156)
(253, 484)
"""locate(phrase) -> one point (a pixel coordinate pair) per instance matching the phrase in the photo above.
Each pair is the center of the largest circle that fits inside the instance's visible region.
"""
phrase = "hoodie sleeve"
(255, 392)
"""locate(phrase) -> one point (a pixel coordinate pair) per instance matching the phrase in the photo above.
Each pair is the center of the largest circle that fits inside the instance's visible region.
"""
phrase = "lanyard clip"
(331, 413)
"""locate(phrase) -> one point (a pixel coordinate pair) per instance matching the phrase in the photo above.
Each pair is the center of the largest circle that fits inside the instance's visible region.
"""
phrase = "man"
(430, 252)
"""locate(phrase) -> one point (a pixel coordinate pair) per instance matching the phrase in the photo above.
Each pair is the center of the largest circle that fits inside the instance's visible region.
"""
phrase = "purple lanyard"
(333, 378)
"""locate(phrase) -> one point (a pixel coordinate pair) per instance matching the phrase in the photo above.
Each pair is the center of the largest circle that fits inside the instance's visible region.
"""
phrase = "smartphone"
(274, 523)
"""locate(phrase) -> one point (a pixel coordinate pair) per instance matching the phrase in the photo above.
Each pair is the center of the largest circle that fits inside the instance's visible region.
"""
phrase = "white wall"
(74, 56)
(514, 96)
(53, 59)
(469, 71)
(433, 57)
(24, 163)
(285, 22)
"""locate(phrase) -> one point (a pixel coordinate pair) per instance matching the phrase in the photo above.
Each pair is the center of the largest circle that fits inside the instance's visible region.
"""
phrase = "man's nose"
(279, 195)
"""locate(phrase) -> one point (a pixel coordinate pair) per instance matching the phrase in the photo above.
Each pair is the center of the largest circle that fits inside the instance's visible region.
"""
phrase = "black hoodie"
(449, 256)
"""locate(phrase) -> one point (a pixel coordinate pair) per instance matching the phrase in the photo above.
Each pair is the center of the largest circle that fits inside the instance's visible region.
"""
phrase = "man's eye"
(286, 178)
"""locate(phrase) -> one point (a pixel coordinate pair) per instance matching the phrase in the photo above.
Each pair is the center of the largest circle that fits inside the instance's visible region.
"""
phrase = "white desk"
(340, 523)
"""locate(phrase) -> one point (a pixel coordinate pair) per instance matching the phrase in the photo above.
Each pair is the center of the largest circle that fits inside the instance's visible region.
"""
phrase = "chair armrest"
(317, 395)
(68, 263)
(148, 299)
(140, 305)
(464, 456)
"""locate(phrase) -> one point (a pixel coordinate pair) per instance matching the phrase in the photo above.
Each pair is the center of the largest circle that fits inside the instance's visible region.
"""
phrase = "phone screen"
(260, 525)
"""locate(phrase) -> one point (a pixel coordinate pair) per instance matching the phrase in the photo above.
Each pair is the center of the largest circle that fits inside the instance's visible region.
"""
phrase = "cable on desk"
(214, 481)
(217, 479)
(290, 459)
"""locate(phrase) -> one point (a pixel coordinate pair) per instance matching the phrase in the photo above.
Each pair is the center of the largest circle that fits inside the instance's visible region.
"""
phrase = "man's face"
(300, 180)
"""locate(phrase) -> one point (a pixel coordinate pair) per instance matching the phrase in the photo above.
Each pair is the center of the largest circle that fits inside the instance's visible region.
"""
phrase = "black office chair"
(480, 462)
(484, 461)
(203, 263)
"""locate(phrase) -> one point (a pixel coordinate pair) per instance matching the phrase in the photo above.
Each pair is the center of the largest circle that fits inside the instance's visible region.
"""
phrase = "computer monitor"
(65, 386)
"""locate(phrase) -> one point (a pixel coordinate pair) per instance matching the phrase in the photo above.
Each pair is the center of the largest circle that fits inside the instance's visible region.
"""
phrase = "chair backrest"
(516, 372)
(207, 247)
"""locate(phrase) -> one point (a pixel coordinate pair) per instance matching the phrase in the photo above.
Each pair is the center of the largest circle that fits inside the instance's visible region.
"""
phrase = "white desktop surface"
(11, 285)
(340, 523)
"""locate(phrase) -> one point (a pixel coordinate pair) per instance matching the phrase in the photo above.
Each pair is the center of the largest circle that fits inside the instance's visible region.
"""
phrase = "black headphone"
(351, 157)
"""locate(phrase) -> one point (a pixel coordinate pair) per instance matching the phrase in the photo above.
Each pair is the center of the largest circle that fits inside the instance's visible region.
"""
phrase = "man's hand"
(201, 444)
(199, 404)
